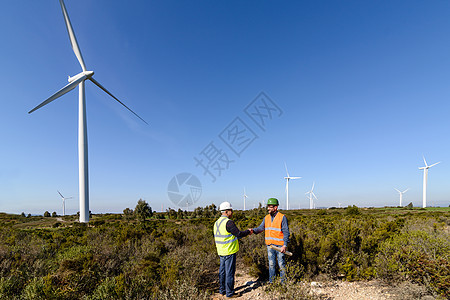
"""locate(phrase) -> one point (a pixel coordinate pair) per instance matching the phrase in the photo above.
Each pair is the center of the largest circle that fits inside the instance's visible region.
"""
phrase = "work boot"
(235, 295)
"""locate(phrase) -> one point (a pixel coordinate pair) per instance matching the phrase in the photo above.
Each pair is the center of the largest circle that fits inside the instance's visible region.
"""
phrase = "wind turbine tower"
(311, 197)
(401, 195)
(64, 202)
(245, 196)
(79, 80)
(287, 185)
(425, 177)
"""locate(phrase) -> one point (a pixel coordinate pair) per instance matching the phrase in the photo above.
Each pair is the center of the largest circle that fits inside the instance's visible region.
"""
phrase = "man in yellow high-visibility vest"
(226, 236)
(276, 230)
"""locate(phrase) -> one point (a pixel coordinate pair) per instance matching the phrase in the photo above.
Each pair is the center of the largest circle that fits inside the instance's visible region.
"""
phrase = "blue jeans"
(226, 274)
(273, 256)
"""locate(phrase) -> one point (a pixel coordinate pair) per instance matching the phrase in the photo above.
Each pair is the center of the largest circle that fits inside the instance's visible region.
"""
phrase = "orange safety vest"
(273, 232)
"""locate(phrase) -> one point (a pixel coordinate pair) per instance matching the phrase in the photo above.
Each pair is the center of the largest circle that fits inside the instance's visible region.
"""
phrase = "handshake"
(251, 231)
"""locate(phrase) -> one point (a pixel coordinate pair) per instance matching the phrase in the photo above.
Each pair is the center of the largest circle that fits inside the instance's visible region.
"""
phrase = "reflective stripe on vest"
(226, 243)
(273, 232)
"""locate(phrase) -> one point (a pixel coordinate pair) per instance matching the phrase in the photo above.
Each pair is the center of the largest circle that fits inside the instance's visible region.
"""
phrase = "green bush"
(291, 287)
(105, 290)
(418, 255)
(34, 290)
(182, 290)
(10, 287)
(352, 210)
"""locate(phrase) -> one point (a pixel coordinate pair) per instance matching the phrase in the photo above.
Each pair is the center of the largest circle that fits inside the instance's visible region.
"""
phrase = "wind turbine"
(312, 196)
(425, 177)
(64, 202)
(78, 80)
(245, 196)
(287, 185)
(401, 195)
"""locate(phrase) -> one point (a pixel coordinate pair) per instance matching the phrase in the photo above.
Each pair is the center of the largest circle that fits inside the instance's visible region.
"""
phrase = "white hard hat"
(225, 205)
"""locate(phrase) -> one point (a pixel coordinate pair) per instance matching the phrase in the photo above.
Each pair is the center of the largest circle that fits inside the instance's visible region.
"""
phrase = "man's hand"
(283, 249)
(251, 231)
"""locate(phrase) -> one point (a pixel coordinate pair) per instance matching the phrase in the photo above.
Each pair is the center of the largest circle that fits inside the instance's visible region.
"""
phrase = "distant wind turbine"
(64, 202)
(312, 196)
(287, 185)
(78, 80)
(401, 195)
(245, 196)
(425, 177)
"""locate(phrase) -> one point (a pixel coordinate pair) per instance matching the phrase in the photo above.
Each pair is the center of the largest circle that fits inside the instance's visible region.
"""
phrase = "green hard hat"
(272, 201)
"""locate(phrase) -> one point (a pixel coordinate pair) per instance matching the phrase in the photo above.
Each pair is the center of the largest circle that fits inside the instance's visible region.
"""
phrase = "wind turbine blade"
(397, 190)
(405, 191)
(424, 161)
(285, 166)
(314, 195)
(434, 164)
(59, 93)
(313, 186)
(69, 198)
(73, 39)
(294, 177)
(60, 194)
(104, 89)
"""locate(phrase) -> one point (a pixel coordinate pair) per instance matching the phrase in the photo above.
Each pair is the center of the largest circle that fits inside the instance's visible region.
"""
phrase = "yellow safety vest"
(226, 243)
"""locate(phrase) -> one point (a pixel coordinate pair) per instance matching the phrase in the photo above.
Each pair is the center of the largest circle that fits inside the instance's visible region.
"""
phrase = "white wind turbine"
(425, 177)
(311, 197)
(78, 80)
(287, 185)
(64, 202)
(245, 196)
(401, 194)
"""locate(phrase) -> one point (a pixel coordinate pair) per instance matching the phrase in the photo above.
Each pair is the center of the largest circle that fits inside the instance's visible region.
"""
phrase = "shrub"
(254, 253)
(143, 210)
(56, 225)
(183, 290)
(291, 287)
(105, 290)
(352, 210)
(10, 287)
(128, 213)
(418, 255)
(34, 290)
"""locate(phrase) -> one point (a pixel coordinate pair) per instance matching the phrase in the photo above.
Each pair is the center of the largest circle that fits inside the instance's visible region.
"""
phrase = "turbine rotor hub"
(88, 74)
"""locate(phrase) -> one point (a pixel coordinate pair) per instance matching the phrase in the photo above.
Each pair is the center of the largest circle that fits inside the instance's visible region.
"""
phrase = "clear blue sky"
(363, 86)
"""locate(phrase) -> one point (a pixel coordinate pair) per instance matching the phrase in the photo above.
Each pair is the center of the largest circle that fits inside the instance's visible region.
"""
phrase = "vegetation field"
(145, 255)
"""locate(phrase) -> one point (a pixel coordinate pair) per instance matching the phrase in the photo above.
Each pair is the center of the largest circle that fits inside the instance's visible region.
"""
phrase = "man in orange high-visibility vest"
(276, 230)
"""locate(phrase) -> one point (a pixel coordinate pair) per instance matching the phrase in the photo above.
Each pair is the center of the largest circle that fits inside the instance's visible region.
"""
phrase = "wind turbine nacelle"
(88, 74)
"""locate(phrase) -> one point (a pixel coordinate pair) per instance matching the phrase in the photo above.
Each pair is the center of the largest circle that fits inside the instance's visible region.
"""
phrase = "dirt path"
(248, 286)
(251, 288)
